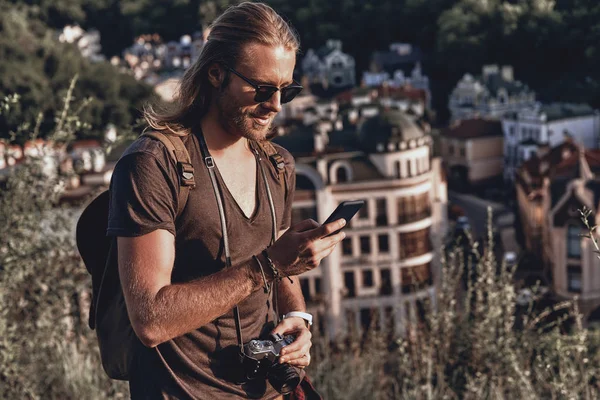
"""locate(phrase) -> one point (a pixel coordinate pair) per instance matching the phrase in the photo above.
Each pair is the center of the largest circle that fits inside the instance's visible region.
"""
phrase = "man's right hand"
(304, 245)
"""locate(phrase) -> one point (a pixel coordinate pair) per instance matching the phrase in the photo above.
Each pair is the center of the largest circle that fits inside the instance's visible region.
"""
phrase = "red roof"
(473, 128)
(403, 92)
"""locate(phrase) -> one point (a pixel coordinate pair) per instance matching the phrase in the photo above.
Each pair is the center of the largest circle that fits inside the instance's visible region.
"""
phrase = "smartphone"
(346, 210)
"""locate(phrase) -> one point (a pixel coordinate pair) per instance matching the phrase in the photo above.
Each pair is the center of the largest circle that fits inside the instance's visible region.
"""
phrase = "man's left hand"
(297, 353)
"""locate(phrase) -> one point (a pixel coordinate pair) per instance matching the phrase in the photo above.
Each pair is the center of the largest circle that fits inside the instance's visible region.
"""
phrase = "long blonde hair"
(238, 25)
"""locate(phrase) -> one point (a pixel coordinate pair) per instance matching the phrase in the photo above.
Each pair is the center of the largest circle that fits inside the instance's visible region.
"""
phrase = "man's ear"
(216, 75)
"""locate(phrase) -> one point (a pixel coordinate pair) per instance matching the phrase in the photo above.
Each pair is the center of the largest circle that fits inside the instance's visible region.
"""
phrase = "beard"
(239, 120)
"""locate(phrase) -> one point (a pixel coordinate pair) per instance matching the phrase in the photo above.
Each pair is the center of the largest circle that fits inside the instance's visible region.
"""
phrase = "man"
(178, 294)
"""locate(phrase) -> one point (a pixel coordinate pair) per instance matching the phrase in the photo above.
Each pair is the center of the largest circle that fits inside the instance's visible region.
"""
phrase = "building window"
(381, 219)
(416, 278)
(462, 151)
(384, 243)
(318, 289)
(363, 212)
(450, 149)
(413, 208)
(511, 131)
(347, 246)
(388, 315)
(574, 279)
(305, 288)
(349, 284)
(367, 278)
(414, 244)
(365, 245)
(409, 169)
(397, 169)
(573, 241)
(386, 282)
(341, 175)
(366, 318)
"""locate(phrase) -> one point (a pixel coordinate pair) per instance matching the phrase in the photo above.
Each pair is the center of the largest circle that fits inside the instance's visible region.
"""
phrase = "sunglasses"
(265, 92)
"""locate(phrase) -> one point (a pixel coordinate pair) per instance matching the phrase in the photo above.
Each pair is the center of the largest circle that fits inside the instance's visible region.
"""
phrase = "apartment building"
(385, 270)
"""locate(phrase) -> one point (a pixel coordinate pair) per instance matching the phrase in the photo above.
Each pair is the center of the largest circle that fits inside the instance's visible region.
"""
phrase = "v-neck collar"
(257, 193)
(257, 187)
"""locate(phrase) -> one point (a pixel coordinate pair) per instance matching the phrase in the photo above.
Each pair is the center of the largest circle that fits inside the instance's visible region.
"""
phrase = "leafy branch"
(585, 214)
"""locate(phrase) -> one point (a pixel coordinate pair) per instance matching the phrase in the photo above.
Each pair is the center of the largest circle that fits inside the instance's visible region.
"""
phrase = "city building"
(473, 151)
(492, 95)
(551, 189)
(329, 67)
(149, 58)
(399, 79)
(401, 57)
(530, 129)
(385, 270)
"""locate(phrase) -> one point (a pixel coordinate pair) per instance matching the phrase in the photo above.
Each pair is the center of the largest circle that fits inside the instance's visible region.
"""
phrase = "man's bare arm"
(289, 296)
(160, 310)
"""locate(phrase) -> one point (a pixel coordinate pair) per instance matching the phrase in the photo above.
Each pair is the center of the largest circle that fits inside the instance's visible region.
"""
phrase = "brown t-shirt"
(144, 197)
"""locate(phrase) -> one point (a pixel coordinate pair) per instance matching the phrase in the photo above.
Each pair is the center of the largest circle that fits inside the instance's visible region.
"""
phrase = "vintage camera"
(259, 360)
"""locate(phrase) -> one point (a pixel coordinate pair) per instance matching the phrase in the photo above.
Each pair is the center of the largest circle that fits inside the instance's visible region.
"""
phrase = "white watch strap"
(305, 316)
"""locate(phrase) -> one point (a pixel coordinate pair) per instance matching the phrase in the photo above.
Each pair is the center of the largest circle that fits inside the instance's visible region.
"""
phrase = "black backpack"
(108, 312)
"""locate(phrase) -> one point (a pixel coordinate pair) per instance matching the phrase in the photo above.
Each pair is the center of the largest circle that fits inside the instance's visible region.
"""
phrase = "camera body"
(259, 360)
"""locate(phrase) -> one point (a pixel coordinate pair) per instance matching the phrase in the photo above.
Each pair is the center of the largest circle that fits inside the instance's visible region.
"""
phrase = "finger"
(301, 362)
(289, 325)
(300, 353)
(305, 225)
(327, 244)
(301, 344)
(325, 230)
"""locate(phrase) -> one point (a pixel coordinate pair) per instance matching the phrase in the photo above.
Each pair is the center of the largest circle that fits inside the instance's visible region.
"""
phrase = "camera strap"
(210, 165)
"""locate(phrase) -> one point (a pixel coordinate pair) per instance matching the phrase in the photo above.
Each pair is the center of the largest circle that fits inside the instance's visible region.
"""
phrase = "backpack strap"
(185, 169)
(278, 162)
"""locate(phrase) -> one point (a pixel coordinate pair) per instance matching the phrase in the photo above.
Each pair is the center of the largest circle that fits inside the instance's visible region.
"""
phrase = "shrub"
(46, 349)
(475, 343)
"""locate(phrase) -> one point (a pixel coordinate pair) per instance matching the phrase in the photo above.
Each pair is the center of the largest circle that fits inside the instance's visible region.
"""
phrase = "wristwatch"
(305, 316)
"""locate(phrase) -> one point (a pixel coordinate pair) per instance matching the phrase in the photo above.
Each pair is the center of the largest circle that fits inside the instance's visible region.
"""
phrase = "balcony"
(406, 218)
(416, 278)
(414, 244)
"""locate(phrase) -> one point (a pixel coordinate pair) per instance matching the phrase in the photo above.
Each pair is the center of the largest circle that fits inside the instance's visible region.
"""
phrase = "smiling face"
(239, 114)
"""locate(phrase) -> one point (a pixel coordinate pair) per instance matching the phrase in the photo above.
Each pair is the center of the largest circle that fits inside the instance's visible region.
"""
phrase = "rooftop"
(473, 128)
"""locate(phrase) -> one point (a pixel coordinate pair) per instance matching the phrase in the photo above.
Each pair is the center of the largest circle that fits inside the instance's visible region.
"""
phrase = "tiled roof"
(403, 92)
(561, 165)
(473, 128)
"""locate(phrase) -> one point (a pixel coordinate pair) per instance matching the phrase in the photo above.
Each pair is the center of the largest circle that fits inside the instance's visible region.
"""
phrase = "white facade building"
(329, 66)
(546, 126)
(492, 95)
(386, 268)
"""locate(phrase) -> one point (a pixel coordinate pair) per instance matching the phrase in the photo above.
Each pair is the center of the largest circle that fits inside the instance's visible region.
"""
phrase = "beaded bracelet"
(276, 272)
(266, 286)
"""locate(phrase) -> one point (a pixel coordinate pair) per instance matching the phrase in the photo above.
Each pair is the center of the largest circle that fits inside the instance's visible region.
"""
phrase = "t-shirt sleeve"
(143, 196)
(290, 180)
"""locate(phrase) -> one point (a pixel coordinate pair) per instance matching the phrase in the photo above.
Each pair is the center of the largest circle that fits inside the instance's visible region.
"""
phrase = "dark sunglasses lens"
(288, 94)
(264, 93)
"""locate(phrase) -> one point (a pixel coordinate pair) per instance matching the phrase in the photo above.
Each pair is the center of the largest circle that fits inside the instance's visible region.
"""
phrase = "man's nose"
(274, 103)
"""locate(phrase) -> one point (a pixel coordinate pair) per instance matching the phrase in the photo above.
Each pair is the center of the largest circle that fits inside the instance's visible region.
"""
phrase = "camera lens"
(284, 378)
